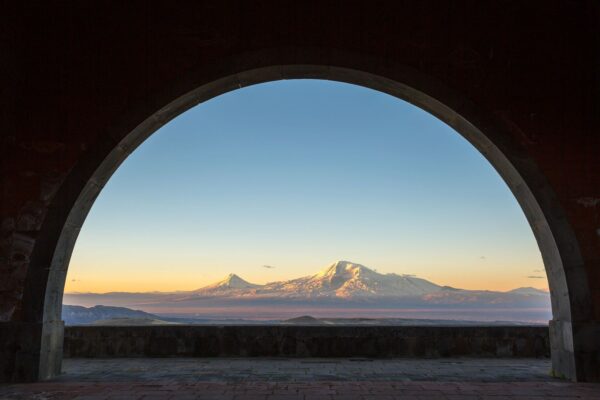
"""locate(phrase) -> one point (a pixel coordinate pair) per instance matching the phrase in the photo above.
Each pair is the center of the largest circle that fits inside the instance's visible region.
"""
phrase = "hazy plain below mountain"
(122, 316)
(343, 289)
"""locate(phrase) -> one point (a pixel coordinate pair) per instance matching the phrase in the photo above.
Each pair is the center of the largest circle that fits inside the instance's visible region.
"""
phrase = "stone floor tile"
(297, 379)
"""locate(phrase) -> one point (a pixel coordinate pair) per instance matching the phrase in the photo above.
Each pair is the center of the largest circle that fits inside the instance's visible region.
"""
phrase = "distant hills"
(78, 315)
(342, 286)
(122, 316)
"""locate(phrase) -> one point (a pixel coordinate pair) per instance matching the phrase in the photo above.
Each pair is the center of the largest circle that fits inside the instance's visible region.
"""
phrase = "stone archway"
(44, 285)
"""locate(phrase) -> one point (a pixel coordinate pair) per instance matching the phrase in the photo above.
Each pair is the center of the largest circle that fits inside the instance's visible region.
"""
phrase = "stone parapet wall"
(305, 341)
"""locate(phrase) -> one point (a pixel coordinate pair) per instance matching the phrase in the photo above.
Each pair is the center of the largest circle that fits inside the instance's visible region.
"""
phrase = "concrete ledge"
(305, 341)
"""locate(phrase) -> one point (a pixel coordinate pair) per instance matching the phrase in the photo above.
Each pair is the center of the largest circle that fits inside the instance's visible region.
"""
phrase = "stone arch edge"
(66, 214)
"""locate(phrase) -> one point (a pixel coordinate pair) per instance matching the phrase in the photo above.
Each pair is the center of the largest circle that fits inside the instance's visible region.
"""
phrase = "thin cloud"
(536, 277)
(482, 258)
(539, 270)
(268, 266)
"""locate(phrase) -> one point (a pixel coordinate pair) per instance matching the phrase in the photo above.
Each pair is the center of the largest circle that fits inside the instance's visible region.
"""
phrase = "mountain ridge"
(342, 288)
(342, 279)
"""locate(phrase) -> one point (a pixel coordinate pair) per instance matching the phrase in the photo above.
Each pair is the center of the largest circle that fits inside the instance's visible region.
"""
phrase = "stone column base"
(575, 350)
(30, 351)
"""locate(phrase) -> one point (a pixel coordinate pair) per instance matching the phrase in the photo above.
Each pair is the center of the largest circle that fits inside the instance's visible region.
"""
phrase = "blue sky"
(295, 175)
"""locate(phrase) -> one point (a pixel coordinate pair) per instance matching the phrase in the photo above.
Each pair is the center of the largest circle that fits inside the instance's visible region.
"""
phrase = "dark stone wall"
(77, 78)
(305, 341)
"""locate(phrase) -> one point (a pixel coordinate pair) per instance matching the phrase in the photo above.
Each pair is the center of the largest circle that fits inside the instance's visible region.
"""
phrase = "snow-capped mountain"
(352, 281)
(341, 287)
(342, 279)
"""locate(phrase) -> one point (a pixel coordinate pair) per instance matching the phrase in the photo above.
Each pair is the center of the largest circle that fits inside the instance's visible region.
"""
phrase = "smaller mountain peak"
(339, 272)
(233, 281)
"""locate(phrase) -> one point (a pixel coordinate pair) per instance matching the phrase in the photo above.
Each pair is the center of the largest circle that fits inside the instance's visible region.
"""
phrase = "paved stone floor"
(231, 379)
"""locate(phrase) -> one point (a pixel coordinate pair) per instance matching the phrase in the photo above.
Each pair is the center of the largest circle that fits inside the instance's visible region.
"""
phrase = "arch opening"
(306, 198)
(554, 238)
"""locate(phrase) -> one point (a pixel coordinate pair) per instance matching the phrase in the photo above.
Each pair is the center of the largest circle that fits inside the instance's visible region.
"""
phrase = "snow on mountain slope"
(342, 279)
(232, 281)
(345, 279)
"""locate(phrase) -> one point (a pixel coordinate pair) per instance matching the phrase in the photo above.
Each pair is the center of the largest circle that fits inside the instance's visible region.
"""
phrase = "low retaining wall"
(305, 341)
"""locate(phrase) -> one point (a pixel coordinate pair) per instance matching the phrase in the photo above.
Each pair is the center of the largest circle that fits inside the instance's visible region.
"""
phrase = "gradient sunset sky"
(278, 180)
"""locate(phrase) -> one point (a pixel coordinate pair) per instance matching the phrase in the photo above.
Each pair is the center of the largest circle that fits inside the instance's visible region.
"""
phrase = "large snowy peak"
(348, 279)
(232, 284)
(341, 279)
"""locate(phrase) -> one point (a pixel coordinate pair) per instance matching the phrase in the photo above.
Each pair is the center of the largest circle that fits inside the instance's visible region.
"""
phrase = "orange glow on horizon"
(187, 279)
